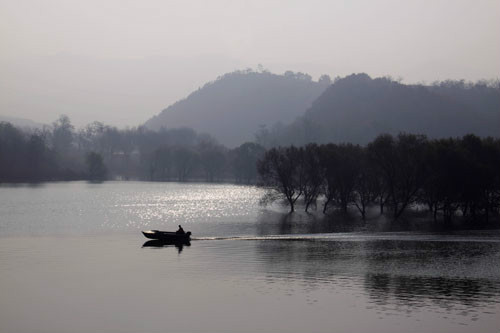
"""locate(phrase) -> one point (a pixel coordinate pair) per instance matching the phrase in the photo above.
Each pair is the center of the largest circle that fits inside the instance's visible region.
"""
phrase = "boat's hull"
(167, 236)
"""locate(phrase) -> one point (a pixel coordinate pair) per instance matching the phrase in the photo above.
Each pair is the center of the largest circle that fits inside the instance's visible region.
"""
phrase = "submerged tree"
(281, 173)
(366, 183)
(328, 159)
(312, 174)
(340, 164)
(401, 165)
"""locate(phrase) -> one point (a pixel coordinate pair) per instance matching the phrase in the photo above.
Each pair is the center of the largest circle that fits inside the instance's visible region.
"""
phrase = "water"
(82, 267)
(80, 207)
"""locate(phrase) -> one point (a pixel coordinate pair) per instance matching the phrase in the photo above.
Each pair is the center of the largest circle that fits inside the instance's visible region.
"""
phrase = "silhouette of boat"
(160, 243)
(167, 236)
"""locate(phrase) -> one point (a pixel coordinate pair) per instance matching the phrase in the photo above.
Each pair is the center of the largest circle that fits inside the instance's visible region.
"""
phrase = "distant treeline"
(448, 176)
(100, 152)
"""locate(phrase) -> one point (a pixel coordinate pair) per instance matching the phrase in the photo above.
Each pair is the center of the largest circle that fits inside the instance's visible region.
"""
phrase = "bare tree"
(281, 173)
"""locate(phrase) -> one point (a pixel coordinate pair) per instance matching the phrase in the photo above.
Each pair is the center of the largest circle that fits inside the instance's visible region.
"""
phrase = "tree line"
(455, 176)
(449, 177)
(100, 152)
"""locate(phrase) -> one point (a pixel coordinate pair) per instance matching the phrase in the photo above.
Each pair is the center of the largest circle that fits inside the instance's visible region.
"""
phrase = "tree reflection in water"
(278, 223)
(456, 277)
(464, 295)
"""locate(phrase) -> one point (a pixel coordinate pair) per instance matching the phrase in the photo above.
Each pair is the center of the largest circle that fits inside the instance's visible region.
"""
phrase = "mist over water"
(72, 259)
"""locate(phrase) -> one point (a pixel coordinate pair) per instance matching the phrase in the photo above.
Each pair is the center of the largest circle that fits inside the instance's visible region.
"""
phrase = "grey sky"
(123, 61)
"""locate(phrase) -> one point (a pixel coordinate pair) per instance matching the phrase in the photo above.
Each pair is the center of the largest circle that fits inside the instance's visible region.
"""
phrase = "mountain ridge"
(292, 109)
(244, 99)
(357, 108)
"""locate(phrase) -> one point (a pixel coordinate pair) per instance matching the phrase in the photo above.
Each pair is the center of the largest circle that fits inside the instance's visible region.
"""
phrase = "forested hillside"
(357, 108)
(236, 105)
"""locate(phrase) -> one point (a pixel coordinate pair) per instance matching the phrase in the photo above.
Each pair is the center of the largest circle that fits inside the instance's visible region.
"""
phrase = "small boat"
(167, 236)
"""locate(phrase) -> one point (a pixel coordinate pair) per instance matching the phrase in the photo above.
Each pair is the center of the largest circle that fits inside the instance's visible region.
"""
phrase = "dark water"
(84, 267)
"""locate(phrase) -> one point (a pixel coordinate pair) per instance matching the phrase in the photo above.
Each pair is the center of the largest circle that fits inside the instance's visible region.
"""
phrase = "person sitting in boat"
(180, 231)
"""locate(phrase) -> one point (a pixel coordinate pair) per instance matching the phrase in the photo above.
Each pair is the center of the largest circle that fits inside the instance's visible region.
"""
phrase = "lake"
(72, 259)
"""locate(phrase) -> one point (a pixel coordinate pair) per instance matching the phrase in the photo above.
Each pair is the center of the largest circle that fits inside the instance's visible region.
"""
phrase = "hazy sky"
(122, 61)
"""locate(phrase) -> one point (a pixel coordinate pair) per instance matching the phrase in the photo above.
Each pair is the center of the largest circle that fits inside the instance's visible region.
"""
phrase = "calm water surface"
(72, 260)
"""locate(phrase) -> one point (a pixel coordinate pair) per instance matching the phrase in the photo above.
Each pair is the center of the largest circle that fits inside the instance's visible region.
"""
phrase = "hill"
(233, 107)
(21, 122)
(357, 108)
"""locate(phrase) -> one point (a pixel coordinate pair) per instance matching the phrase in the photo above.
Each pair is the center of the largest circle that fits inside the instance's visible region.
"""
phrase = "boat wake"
(361, 237)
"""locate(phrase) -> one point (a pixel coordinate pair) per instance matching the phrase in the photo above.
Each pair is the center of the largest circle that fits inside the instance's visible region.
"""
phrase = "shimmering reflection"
(80, 207)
